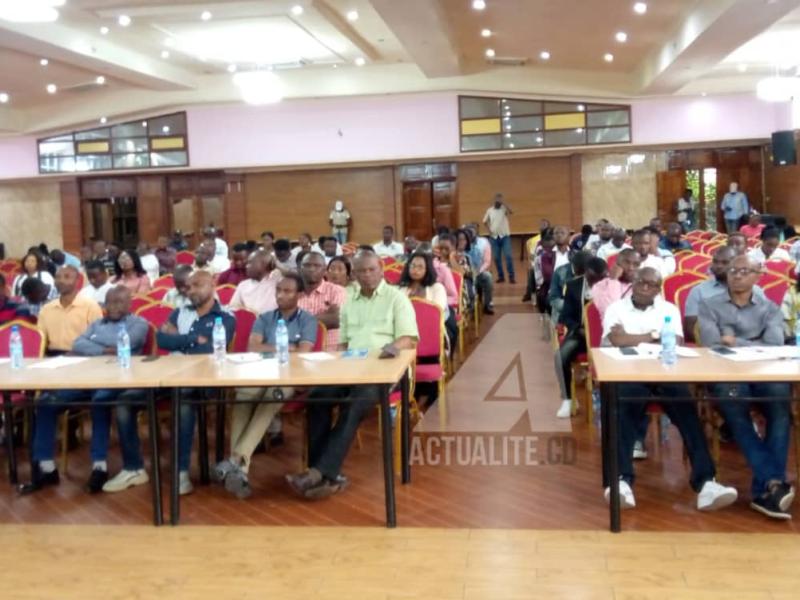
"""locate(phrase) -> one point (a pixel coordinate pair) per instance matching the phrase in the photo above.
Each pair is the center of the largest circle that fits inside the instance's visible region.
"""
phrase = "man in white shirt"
(770, 248)
(150, 263)
(639, 319)
(98, 285)
(642, 243)
(615, 245)
(387, 247)
(258, 292)
(496, 221)
(220, 245)
(561, 249)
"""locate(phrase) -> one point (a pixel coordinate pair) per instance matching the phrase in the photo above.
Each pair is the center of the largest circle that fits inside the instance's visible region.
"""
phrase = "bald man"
(100, 339)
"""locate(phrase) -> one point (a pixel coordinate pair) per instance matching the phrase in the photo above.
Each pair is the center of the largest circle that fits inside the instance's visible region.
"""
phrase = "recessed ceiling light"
(544, 55)
(4, 98)
(490, 53)
(297, 10)
(52, 88)
(124, 20)
(335, 66)
(352, 15)
(640, 8)
(104, 30)
(360, 61)
(508, 135)
(478, 4)
(206, 15)
(231, 68)
(581, 108)
(608, 57)
(44, 62)
(511, 145)
(165, 54)
(621, 37)
(100, 80)
(486, 33)
(742, 68)
(103, 120)
(539, 140)
(165, 129)
(144, 123)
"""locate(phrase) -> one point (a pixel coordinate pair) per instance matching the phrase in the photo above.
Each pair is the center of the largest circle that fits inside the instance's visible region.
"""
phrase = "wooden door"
(445, 207)
(418, 209)
(670, 186)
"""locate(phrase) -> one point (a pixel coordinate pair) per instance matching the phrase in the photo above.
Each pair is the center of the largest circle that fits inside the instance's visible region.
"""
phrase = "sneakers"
(304, 481)
(223, 469)
(125, 479)
(714, 496)
(236, 483)
(639, 453)
(96, 481)
(185, 488)
(488, 310)
(768, 504)
(626, 499)
(39, 480)
(784, 493)
(565, 410)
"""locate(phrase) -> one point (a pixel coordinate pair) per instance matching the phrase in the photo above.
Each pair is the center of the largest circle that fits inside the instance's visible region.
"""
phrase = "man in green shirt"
(379, 317)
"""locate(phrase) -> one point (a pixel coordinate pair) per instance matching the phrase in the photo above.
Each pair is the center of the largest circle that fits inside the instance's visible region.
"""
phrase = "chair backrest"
(392, 276)
(138, 302)
(184, 257)
(777, 290)
(165, 281)
(33, 342)
(697, 263)
(682, 295)
(430, 323)
(81, 281)
(225, 293)
(593, 325)
(156, 314)
(710, 247)
(157, 294)
(322, 334)
(707, 235)
(244, 325)
(697, 243)
(781, 267)
(611, 261)
(676, 281)
(458, 278)
(769, 278)
(388, 261)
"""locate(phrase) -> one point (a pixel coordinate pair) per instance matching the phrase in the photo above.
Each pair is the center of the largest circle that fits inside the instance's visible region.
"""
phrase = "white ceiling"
(169, 56)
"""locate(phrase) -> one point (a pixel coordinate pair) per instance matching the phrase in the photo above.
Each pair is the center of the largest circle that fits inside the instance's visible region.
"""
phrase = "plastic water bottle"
(15, 350)
(219, 341)
(123, 347)
(797, 331)
(669, 353)
(282, 342)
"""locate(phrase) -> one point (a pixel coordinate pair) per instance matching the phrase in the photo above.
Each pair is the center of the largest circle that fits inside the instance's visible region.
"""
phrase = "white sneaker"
(714, 496)
(185, 486)
(626, 499)
(125, 479)
(639, 453)
(565, 410)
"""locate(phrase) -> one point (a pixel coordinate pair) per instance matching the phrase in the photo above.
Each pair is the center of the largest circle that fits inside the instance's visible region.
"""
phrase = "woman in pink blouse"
(130, 273)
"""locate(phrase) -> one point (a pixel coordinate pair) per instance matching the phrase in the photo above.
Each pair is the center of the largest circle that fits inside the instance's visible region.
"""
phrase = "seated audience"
(754, 226)
(128, 272)
(64, 319)
(97, 283)
(10, 310)
(285, 261)
(580, 241)
(619, 281)
(738, 242)
(165, 255)
(59, 258)
(638, 319)
(149, 261)
(99, 339)
(614, 246)
(321, 298)
(737, 319)
(409, 247)
(481, 258)
(212, 234)
(33, 267)
(642, 242)
(304, 244)
(603, 235)
(330, 248)
(543, 269)
(387, 247)
(655, 223)
(769, 249)
(237, 272)
(441, 264)
(257, 292)
(36, 294)
(379, 318)
(338, 271)
(178, 242)
(106, 254)
(178, 296)
(561, 248)
(204, 259)
(673, 240)
(267, 241)
(419, 279)
(251, 421)
(562, 274)
(790, 308)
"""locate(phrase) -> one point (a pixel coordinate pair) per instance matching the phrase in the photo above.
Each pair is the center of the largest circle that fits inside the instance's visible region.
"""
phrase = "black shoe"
(501, 280)
(767, 504)
(96, 481)
(512, 280)
(526, 298)
(488, 310)
(275, 439)
(38, 481)
(324, 489)
(784, 495)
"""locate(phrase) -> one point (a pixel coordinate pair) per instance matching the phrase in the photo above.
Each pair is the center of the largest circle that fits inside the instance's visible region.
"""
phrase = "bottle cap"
(15, 328)
(218, 321)
(667, 319)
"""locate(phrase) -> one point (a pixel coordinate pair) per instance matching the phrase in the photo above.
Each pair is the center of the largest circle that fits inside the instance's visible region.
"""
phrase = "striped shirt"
(319, 301)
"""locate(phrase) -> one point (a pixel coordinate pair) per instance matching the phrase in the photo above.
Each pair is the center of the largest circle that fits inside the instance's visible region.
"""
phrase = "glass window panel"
(480, 142)
(605, 119)
(565, 137)
(131, 161)
(129, 130)
(521, 107)
(478, 108)
(610, 135)
(563, 107)
(57, 165)
(169, 125)
(93, 134)
(91, 162)
(523, 140)
(169, 159)
(602, 107)
(130, 145)
(522, 124)
(57, 148)
(67, 137)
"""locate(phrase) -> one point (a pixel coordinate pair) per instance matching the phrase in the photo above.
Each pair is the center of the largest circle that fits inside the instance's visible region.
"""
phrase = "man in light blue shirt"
(734, 206)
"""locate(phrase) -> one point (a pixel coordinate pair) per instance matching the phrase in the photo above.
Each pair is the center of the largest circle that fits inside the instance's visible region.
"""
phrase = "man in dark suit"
(576, 294)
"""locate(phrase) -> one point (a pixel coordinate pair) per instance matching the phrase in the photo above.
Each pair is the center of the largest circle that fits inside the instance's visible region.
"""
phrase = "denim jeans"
(571, 347)
(767, 458)
(484, 286)
(47, 412)
(732, 225)
(683, 415)
(500, 246)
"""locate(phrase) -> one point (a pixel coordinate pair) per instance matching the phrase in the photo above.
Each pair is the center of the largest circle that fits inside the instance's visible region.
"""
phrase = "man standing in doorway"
(340, 221)
(496, 221)
(734, 207)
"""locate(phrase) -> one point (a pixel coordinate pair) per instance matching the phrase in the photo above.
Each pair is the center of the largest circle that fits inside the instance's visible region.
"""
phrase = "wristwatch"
(655, 334)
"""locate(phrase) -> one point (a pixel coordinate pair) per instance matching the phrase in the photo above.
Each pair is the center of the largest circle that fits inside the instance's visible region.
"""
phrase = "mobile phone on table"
(628, 351)
(150, 358)
(722, 350)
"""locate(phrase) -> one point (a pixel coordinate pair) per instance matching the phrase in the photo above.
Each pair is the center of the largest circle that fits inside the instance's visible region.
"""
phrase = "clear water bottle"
(669, 343)
(219, 341)
(15, 349)
(282, 342)
(797, 331)
(123, 347)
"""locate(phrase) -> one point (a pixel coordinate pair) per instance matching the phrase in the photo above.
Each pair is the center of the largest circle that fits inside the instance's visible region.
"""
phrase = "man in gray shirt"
(742, 318)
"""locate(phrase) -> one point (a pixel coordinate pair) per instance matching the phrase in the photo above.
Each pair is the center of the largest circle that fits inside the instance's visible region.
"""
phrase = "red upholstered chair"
(81, 281)
(676, 281)
(138, 302)
(392, 276)
(697, 243)
(707, 235)
(184, 257)
(697, 263)
(225, 293)
(593, 329)
(458, 278)
(682, 295)
(768, 278)
(682, 256)
(165, 281)
(157, 294)
(156, 313)
(244, 325)
(611, 261)
(430, 323)
(781, 267)
(777, 290)
(388, 261)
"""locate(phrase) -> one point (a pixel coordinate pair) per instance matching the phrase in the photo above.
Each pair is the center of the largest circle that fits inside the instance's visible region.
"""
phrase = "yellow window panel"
(170, 143)
(479, 126)
(567, 121)
(93, 147)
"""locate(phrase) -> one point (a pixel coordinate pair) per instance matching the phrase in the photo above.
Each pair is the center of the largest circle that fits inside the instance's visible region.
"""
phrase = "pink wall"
(18, 158)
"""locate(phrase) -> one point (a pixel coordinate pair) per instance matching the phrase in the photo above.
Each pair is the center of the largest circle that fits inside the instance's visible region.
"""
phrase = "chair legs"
(442, 402)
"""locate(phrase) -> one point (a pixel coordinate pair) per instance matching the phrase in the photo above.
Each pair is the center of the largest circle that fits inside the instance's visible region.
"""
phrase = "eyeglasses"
(742, 271)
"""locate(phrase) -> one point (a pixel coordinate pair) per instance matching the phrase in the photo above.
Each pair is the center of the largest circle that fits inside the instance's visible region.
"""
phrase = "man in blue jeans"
(98, 340)
(187, 331)
(496, 221)
(735, 318)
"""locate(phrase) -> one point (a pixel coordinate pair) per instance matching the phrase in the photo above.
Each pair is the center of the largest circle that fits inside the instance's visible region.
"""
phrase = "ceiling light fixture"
(479, 4)
(44, 62)
(640, 8)
(360, 61)
(104, 30)
(231, 68)
(581, 108)
(29, 11)
(144, 123)
(742, 68)
(165, 129)
(4, 98)
(206, 15)
(259, 87)
(486, 33)
(352, 15)
(124, 20)
(608, 57)
(165, 54)
(544, 55)
(490, 53)
(52, 88)
(297, 10)
(103, 120)
(100, 80)
(621, 37)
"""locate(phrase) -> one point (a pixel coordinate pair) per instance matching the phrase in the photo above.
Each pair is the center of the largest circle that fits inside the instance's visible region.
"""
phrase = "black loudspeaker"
(783, 148)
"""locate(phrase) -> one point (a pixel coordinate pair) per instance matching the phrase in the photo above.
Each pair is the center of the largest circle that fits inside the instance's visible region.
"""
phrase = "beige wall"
(620, 189)
(30, 213)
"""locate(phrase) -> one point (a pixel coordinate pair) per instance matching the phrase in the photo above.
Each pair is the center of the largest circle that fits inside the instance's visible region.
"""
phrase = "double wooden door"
(428, 205)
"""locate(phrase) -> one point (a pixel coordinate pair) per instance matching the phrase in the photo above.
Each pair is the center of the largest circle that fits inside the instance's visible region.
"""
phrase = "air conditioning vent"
(508, 61)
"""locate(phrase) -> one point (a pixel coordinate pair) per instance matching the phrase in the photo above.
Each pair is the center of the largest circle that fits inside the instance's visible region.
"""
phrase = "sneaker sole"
(623, 504)
(140, 480)
(768, 513)
(786, 502)
(720, 502)
(235, 485)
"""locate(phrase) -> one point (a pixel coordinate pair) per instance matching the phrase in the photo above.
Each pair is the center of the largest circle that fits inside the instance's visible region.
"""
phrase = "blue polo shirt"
(191, 327)
(302, 327)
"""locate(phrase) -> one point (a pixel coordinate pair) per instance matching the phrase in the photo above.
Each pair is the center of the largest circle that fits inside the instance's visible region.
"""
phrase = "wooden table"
(205, 373)
(94, 373)
(707, 368)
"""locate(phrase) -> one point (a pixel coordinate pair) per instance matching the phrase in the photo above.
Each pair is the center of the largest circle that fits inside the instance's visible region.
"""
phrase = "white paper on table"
(244, 357)
(616, 354)
(655, 350)
(759, 353)
(316, 356)
(58, 362)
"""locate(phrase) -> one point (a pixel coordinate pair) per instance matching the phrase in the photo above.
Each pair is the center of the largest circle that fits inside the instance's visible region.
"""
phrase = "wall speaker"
(784, 151)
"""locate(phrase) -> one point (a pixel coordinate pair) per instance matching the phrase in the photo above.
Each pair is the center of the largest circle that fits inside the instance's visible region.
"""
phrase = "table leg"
(12, 455)
(388, 461)
(611, 407)
(219, 445)
(202, 430)
(174, 504)
(158, 515)
(406, 425)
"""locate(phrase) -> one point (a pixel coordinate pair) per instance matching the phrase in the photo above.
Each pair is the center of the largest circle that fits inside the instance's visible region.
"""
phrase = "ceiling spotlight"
(544, 55)
(205, 15)
(100, 80)
(165, 129)
(490, 53)
(478, 4)
(231, 68)
(44, 62)
(486, 33)
(4, 98)
(640, 8)
(579, 130)
(621, 37)
(352, 15)
(511, 145)
(581, 108)
(335, 66)
(608, 57)
(103, 120)
(742, 68)
(165, 54)
(52, 88)
(104, 30)
(144, 123)
(297, 10)
(124, 20)
(360, 61)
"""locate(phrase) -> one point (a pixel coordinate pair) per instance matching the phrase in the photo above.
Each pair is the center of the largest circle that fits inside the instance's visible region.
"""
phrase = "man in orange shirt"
(64, 319)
